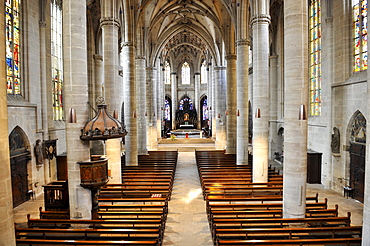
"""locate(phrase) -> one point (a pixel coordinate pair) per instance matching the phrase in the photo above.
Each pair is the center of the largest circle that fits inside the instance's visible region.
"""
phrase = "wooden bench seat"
(161, 200)
(88, 234)
(268, 213)
(289, 233)
(133, 207)
(280, 222)
(85, 242)
(261, 200)
(62, 214)
(326, 241)
(109, 215)
(256, 206)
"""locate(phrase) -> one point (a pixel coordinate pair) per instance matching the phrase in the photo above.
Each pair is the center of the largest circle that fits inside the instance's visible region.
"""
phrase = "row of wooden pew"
(244, 213)
(131, 213)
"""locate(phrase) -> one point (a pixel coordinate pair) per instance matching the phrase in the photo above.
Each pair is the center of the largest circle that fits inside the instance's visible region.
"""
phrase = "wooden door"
(357, 170)
(19, 157)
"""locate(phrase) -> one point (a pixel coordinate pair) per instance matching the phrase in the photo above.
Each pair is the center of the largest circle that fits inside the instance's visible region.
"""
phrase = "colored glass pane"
(315, 57)
(360, 34)
(167, 73)
(205, 109)
(185, 73)
(12, 41)
(203, 73)
(167, 110)
(57, 59)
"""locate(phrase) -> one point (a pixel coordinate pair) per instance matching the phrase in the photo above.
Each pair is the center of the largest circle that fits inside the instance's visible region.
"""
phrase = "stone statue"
(335, 141)
(39, 153)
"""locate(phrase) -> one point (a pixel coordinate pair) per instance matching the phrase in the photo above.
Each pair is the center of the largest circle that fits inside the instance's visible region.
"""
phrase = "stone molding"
(230, 57)
(151, 68)
(140, 58)
(109, 21)
(243, 42)
(42, 23)
(128, 44)
(219, 68)
(98, 57)
(261, 19)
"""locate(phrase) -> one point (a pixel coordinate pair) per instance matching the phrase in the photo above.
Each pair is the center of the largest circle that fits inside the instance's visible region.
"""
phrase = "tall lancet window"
(167, 73)
(57, 59)
(12, 42)
(205, 110)
(167, 110)
(360, 34)
(315, 57)
(185, 73)
(203, 73)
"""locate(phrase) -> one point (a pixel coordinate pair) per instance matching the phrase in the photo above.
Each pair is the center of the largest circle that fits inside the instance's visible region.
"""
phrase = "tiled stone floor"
(187, 223)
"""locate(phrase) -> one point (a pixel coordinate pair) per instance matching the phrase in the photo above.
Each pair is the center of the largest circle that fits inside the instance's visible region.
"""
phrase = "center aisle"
(187, 223)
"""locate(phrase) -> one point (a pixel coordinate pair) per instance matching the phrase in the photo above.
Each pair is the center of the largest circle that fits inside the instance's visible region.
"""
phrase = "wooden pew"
(84, 242)
(63, 214)
(289, 233)
(88, 234)
(324, 241)
(280, 222)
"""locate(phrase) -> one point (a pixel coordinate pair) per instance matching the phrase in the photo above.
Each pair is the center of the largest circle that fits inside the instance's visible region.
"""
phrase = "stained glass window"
(167, 73)
(12, 25)
(315, 57)
(167, 110)
(57, 59)
(360, 34)
(205, 109)
(203, 73)
(185, 73)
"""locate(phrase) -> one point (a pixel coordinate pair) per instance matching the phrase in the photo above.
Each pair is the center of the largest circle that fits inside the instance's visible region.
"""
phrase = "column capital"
(42, 23)
(230, 57)
(109, 21)
(128, 44)
(219, 68)
(151, 68)
(173, 73)
(98, 57)
(243, 42)
(262, 18)
(140, 58)
(197, 73)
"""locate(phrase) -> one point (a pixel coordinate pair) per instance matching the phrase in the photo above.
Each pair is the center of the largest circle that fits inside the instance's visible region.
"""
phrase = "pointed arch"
(19, 158)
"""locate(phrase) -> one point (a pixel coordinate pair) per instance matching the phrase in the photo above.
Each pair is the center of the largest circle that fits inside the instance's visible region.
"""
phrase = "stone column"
(273, 136)
(242, 49)
(213, 102)
(44, 91)
(296, 94)
(196, 101)
(98, 63)
(152, 106)
(174, 99)
(6, 200)
(260, 25)
(231, 104)
(141, 106)
(366, 210)
(209, 98)
(76, 97)
(160, 101)
(130, 99)
(220, 98)
(113, 88)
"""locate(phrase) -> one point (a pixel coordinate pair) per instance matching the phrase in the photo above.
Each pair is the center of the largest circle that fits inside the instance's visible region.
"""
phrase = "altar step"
(186, 144)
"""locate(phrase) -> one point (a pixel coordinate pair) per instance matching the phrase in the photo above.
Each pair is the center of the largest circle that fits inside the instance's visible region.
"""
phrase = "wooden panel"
(357, 170)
